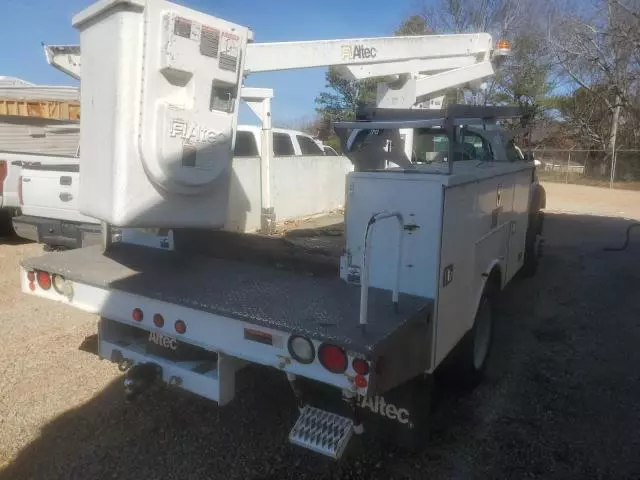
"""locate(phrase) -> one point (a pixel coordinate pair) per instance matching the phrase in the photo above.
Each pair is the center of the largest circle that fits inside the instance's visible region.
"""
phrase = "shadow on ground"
(13, 239)
(562, 397)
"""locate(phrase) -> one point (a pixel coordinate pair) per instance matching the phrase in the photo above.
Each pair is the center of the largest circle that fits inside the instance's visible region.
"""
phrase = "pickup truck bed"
(291, 301)
(50, 212)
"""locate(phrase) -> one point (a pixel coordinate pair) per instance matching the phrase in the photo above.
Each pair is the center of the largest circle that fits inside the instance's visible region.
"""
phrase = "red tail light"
(180, 326)
(158, 320)
(137, 315)
(360, 366)
(44, 280)
(3, 174)
(332, 358)
(31, 276)
(20, 199)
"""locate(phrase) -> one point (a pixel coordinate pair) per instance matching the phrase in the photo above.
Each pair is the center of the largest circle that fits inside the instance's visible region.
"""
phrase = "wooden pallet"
(51, 109)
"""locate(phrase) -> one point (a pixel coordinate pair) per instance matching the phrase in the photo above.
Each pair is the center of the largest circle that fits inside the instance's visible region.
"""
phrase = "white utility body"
(427, 244)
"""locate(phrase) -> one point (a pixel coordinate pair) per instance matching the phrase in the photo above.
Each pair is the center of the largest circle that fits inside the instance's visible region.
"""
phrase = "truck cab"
(286, 143)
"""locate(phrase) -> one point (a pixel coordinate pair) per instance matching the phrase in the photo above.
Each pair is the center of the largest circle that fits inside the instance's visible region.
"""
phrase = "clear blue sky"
(27, 23)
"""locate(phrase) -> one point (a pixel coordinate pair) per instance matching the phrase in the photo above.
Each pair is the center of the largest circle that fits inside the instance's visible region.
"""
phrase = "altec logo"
(163, 341)
(357, 52)
(387, 410)
(192, 132)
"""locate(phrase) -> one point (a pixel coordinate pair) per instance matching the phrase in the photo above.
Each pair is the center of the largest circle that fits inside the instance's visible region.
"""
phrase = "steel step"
(322, 432)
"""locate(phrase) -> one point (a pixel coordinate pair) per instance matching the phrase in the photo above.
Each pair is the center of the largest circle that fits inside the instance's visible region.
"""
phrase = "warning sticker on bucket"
(229, 51)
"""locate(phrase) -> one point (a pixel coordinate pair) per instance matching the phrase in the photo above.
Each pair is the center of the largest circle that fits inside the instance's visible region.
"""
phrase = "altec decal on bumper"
(163, 340)
(379, 406)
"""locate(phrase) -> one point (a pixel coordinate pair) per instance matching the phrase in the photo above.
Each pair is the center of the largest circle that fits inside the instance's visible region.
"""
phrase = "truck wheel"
(531, 256)
(466, 370)
(534, 231)
(6, 224)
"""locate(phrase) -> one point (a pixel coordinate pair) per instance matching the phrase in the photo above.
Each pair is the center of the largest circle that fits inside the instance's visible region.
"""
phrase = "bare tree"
(598, 51)
(522, 21)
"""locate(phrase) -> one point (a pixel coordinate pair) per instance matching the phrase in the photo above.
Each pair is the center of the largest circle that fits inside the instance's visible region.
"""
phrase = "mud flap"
(400, 416)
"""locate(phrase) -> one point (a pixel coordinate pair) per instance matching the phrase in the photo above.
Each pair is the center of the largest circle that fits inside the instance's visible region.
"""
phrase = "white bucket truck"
(428, 244)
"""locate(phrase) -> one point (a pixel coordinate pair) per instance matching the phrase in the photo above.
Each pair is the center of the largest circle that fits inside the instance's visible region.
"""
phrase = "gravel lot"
(562, 398)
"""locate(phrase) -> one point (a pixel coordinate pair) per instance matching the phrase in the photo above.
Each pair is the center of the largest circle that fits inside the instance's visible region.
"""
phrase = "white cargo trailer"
(429, 241)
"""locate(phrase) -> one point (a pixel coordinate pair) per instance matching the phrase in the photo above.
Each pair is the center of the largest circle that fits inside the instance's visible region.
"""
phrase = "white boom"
(428, 63)
(266, 57)
(184, 71)
(65, 58)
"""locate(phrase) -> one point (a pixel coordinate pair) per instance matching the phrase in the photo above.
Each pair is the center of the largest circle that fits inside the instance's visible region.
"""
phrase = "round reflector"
(360, 366)
(361, 381)
(158, 320)
(32, 286)
(44, 280)
(332, 358)
(180, 326)
(58, 283)
(301, 349)
(31, 276)
(137, 315)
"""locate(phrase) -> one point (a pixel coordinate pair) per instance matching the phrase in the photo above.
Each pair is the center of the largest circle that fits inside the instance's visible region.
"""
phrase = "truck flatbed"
(323, 308)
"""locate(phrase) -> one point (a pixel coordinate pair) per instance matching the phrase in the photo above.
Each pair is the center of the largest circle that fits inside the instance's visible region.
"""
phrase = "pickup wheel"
(466, 368)
(6, 224)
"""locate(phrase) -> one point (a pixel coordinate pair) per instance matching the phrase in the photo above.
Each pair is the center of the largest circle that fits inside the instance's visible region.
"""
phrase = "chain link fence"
(590, 167)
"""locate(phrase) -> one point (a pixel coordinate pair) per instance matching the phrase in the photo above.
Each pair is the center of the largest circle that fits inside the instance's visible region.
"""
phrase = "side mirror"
(528, 157)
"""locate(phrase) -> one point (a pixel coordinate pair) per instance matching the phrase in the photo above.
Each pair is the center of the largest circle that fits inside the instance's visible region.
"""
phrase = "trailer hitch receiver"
(140, 378)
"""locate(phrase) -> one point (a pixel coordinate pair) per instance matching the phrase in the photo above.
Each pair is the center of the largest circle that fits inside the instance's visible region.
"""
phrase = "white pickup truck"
(11, 164)
(50, 215)
(49, 189)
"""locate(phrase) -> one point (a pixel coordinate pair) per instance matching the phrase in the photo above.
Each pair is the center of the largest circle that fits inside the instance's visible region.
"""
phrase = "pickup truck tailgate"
(52, 192)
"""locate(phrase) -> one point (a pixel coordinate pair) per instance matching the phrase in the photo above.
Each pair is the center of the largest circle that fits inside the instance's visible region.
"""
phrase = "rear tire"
(531, 246)
(534, 232)
(6, 224)
(467, 367)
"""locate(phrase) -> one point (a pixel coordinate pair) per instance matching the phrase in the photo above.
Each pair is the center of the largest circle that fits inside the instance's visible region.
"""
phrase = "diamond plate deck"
(323, 308)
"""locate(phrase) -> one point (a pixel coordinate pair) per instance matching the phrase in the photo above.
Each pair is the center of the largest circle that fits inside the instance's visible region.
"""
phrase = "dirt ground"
(561, 401)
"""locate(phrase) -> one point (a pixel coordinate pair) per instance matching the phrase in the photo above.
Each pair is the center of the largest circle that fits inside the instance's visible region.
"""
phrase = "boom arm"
(391, 51)
(65, 58)
(450, 61)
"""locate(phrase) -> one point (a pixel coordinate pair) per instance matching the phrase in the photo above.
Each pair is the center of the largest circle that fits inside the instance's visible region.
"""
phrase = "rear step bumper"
(322, 432)
(211, 376)
(326, 422)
